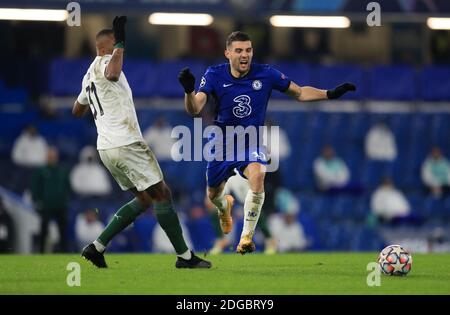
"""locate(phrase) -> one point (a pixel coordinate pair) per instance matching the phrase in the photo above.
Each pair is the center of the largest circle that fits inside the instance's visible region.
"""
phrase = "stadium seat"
(202, 233)
(435, 83)
(310, 230)
(342, 208)
(374, 171)
(143, 228)
(327, 77)
(66, 76)
(366, 239)
(13, 96)
(297, 72)
(400, 124)
(384, 78)
(432, 208)
(167, 77)
(141, 77)
(439, 130)
(11, 125)
(361, 209)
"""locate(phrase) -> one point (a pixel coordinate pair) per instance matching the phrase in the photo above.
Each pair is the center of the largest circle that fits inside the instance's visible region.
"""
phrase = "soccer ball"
(394, 260)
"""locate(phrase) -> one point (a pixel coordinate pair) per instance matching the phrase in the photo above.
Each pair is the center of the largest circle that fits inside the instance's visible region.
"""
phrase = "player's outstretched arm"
(79, 109)
(308, 93)
(192, 102)
(305, 93)
(114, 68)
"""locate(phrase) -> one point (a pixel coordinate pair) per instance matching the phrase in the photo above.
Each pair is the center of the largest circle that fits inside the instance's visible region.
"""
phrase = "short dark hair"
(237, 36)
(104, 32)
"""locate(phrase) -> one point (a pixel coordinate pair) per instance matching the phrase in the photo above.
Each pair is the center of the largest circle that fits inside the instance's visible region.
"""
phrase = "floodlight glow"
(310, 21)
(160, 18)
(438, 23)
(32, 14)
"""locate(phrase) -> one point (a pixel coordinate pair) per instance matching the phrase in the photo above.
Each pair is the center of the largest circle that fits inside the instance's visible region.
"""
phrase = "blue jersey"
(238, 102)
(242, 101)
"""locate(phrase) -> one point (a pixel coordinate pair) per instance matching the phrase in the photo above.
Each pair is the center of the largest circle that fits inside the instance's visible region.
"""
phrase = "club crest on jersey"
(257, 85)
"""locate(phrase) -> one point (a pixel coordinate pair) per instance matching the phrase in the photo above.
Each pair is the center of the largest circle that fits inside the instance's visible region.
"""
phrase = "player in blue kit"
(241, 90)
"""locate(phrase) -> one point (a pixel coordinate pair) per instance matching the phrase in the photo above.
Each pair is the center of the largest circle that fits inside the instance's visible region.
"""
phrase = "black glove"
(187, 80)
(119, 29)
(340, 90)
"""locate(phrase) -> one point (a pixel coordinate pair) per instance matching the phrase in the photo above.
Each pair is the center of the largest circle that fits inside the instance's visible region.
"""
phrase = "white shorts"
(133, 165)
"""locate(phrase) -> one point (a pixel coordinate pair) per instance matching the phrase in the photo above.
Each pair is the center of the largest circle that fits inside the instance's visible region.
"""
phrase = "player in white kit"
(123, 151)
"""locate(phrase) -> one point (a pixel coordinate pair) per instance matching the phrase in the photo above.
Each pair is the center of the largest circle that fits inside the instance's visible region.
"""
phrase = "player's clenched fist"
(340, 90)
(187, 80)
(119, 29)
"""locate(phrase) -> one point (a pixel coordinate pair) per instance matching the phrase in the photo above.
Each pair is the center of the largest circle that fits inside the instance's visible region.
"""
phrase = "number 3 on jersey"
(90, 89)
(243, 108)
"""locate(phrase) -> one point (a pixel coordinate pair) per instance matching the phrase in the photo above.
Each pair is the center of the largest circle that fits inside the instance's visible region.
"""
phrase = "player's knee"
(166, 195)
(213, 195)
(160, 193)
(144, 200)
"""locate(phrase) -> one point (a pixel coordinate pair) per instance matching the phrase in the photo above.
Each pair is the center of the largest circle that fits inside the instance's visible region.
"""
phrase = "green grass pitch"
(306, 273)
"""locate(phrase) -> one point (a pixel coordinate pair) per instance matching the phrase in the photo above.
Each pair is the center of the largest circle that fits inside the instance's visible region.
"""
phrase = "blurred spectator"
(6, 230)
(437, 240)
(29, 149)
(436, 172)
(87, 227)
(162, 244)
(158, 137)
(285, 226)
(88, 177)
(380, 143)
(204, 42)
(50, 191)
(310, 44)
(330, 171)
(440, 47)
(389, 203)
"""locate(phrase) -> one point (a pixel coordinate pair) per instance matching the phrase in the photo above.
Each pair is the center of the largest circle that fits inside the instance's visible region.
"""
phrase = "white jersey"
(112, 106)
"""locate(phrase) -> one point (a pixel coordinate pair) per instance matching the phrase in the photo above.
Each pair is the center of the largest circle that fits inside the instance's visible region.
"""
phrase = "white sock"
(252, 209)
(99, 246)
(220, 203)
(186, 255)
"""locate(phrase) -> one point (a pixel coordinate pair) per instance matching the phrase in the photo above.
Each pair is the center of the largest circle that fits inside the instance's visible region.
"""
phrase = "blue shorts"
(219, 171)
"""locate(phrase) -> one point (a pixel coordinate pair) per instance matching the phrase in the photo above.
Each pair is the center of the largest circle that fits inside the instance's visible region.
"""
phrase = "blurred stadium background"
(401, 68)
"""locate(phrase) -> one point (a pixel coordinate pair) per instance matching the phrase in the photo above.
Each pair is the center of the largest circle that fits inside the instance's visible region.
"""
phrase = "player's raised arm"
(114, 68)
(308, 93)
(192, 102)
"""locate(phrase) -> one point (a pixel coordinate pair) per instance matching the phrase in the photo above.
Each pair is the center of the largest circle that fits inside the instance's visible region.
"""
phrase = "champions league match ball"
(394, 260)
